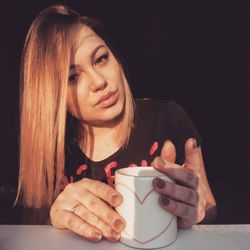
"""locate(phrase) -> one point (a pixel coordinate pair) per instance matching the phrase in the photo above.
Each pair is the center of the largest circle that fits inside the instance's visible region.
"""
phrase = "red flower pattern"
(114, 164)
(81, 168)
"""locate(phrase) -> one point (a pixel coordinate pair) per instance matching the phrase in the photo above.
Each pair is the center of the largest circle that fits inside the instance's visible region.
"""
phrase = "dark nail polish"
(195, 146)
(115, 199)
(159, 183)
(164, 200)
(159, 162)
(118, 224)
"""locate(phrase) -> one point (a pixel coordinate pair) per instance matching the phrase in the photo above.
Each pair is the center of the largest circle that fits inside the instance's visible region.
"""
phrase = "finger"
(104, 191)
(98, 223)
(176, 192)
(168, 151)
(185, 223)
(76, 224)
(102, 209)
(176, 172)
(184, 211)
(193, 156)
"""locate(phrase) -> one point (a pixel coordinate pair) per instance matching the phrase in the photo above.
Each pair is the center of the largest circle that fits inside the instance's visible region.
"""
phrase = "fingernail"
(159, 183)
(115, 199)
(159, 162)
(118, 224)
(97, 235)
(164, 200)
(115, 235)
(195, 146)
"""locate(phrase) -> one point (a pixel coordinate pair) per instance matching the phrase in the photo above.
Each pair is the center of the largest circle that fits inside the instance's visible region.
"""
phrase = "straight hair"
(44, 76)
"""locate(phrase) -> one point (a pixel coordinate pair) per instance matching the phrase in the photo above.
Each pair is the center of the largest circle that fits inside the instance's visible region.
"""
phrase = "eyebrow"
(76, 66)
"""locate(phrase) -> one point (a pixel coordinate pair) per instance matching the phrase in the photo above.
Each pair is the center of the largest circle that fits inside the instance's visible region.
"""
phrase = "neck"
(99, 142)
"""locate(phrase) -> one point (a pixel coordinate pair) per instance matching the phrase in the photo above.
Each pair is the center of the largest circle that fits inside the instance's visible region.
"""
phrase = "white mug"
(148, 225)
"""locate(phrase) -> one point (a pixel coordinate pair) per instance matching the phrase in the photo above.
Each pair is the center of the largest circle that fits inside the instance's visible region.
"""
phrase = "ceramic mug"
(148, 225)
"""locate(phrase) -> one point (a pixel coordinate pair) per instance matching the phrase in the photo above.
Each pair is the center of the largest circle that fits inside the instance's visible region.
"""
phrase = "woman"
(79, 123)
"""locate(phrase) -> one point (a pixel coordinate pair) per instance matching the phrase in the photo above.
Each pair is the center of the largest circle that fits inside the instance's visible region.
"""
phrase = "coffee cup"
(148, 225)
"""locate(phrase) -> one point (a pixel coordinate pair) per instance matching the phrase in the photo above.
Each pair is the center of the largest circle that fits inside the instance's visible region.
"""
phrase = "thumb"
(168, 151)
(192, 154)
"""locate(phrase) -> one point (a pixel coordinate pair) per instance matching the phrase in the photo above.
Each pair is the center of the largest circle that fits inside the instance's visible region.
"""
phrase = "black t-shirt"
(155, 122)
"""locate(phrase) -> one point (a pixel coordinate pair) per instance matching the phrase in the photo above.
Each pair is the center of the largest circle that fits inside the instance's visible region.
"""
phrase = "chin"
(112, 113)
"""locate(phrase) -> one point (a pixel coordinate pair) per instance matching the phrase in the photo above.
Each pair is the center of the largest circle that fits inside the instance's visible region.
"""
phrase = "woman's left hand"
(189, 196)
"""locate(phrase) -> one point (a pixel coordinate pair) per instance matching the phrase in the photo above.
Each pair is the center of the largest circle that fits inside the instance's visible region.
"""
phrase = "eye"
(73, 78)
(102, 59)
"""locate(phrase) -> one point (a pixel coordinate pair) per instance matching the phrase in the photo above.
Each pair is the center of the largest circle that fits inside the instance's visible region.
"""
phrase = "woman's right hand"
(93, 215)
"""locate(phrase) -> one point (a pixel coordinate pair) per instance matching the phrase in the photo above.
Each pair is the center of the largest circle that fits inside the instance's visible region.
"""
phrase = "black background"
(195, 53)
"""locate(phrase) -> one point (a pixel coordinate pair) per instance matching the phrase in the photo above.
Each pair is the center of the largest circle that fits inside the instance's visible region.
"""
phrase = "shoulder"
(154, 106)
(163, 115)
(167, 115)
(150, 102)
(165, 120)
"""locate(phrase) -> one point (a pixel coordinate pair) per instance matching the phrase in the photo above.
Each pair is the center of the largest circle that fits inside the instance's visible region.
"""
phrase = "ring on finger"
(73, 209)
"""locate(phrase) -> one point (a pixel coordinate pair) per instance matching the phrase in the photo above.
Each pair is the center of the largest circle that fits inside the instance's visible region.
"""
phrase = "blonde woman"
(80, 123)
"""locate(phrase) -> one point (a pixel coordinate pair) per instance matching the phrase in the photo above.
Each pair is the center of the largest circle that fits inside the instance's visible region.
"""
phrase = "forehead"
(87, 39)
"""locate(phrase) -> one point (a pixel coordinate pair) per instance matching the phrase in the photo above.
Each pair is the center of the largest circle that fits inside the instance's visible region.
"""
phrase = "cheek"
(117, 78)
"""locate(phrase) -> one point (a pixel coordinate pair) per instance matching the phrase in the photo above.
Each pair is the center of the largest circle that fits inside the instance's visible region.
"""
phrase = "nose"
(98, 81)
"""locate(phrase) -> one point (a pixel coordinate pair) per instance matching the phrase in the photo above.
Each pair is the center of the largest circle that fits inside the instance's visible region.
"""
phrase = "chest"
(102, 166)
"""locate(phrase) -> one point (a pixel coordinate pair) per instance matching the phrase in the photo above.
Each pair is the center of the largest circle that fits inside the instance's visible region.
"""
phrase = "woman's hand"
(86, 208)
(190, 196)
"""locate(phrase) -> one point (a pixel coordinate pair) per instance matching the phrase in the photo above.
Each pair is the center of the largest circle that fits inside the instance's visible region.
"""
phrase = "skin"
(94, 216)
(94, 73)
(189, 197)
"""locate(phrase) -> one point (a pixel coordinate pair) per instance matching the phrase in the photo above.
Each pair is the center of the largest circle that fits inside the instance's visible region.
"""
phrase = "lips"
(108, 100)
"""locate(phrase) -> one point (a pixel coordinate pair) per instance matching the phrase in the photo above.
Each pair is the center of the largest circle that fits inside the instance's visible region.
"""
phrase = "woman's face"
(95, 93)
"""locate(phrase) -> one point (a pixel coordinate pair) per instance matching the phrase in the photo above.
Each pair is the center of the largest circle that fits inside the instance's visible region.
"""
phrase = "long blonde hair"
(43, 90)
